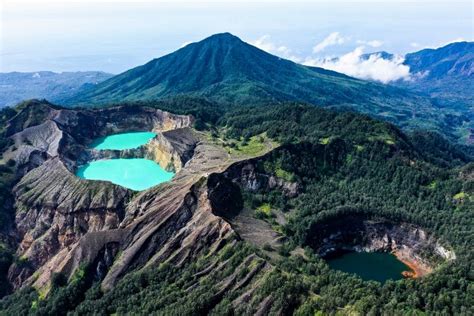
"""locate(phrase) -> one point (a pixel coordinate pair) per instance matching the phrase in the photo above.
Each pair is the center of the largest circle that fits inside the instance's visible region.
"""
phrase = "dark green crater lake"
(377, 266)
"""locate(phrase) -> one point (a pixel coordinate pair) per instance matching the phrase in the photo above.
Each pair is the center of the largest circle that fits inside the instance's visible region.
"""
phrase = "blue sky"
(116, 35)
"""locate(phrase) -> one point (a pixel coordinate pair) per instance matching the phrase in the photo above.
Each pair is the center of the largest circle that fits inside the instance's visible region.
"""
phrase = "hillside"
(227, 70)
(19, 86)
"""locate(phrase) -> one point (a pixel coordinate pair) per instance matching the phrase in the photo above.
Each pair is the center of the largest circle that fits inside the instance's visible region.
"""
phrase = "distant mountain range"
(18, 86)
(445, 73)
(453, 60)
(225, 69)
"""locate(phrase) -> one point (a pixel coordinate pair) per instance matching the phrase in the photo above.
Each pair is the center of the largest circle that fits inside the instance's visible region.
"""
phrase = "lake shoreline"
(418, 269)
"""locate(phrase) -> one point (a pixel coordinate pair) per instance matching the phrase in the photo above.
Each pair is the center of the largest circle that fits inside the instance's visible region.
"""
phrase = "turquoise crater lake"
(137, 174)
(122, 141)
(377, 266)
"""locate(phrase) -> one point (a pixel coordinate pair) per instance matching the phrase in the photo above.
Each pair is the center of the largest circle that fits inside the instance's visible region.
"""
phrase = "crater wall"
(412, 245)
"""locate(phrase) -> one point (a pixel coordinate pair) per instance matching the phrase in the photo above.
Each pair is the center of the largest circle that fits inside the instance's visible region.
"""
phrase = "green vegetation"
(7, 170)
(224, 69)
(264, 211)
(364, 167)
(249, 146)
(253, 146)
(433, 185)
(324, 140)
(459, 196)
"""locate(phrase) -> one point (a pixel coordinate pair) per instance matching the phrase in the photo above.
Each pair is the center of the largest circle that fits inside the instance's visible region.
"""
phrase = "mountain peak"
(227, 70)
(224, 35)
(221, 39)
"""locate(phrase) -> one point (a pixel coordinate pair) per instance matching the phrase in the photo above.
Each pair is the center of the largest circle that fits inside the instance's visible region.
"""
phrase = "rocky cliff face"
(412, 245)
(249, 176)
(64, 222)
(54, 208)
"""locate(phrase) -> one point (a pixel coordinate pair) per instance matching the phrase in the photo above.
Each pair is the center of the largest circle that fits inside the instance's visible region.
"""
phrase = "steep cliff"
(54, 208)
(64, 222)
(170, 149)
(411, 244)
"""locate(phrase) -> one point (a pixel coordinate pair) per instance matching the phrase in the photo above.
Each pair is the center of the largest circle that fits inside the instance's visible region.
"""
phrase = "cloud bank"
(373, 68)
(265, 43)
(353, 63)
(332, 39)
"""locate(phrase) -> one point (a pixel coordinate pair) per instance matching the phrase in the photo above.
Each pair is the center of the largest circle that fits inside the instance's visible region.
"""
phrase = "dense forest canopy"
(345, 163)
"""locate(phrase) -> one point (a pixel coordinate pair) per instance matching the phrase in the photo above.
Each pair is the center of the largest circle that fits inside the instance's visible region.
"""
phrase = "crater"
(377, 248)
(137, 174)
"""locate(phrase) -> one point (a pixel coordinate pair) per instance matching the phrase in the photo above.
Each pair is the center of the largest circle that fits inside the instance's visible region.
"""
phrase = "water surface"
(123, 141)
(136, 174)
(378, 266)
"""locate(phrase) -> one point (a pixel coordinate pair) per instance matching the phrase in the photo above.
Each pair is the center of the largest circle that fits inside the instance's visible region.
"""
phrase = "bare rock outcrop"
(250, 177)
(55, 209)
(172, 149)
(64, 222)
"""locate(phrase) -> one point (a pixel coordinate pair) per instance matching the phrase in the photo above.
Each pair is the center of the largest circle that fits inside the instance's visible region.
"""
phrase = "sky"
(114, 36)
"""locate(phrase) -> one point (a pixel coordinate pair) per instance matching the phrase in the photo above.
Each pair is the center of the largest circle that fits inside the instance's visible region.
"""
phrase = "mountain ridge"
(227, 70)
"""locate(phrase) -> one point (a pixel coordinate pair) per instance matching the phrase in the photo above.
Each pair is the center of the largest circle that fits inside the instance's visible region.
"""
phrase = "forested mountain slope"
(225, 69)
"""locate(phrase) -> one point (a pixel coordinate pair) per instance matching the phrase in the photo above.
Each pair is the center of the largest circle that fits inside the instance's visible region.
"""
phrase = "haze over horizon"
(113, 37)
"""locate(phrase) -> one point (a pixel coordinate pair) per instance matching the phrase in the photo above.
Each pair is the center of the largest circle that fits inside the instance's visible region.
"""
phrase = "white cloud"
(373, 68)
(459, 39)
(414, 44)
(332, 39)
(265, 43)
